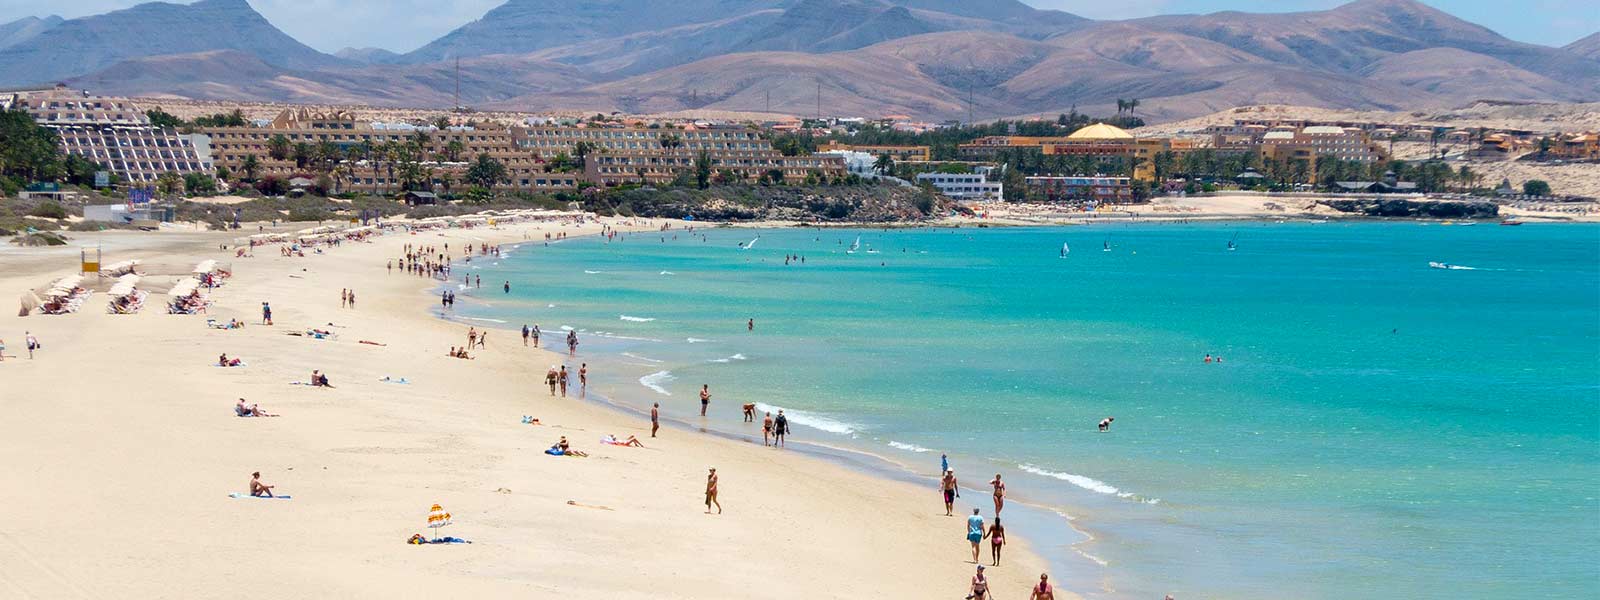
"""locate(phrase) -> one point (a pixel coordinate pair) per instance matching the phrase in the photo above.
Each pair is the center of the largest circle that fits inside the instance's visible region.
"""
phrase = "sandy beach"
(123, 448)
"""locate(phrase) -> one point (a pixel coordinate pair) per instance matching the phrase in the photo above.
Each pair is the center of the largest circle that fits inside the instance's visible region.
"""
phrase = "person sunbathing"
(612, 440)
(258, 489)
(320, 380)
(224, 361)
(567, 449)
(250, 410)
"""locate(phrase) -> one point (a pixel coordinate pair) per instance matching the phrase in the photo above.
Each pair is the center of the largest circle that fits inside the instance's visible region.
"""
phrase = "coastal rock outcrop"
(1408, 207)
(858, 204)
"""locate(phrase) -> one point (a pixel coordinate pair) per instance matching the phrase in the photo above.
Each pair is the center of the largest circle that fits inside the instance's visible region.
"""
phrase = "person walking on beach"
(705, 398)
(766, 430)
(472, 336)
(951, 491)
(655, 418)
(550, 379)
(975, 532)
(711, 492)
(266, 314)
(483, 338)
(1043, 591)
(944, 462)
(524, 334)
(583, 379)
(980, 585)
(999, 496)
(780, 428)
(352, 298)
(344, 297)
(562, 379)
(31, 342)
(997, 538)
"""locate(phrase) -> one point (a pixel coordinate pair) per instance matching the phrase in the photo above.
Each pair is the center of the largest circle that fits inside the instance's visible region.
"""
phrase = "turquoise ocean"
(1376, 428)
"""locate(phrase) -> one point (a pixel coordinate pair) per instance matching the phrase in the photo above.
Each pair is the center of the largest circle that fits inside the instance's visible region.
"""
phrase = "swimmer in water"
(1105, 424)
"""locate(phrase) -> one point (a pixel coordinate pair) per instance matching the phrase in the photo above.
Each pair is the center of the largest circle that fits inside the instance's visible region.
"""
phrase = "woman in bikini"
(980, 586)
(997, 538)
(999, 493)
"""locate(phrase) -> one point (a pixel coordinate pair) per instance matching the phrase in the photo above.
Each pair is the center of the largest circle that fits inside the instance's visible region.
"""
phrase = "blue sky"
(403, 25)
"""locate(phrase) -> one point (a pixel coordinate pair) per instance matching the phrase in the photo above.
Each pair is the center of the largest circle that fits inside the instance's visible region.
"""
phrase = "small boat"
(1232, 246)
(750, 244)
(1065, 250)
(1107, 247)
(1450, 267)
(854, 246)
(1510, 223)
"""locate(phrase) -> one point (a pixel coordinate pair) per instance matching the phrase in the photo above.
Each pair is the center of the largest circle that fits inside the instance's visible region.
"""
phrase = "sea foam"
(911, 447)
(1088, 483)
(636, 319)
(814, 421)
(654, 381)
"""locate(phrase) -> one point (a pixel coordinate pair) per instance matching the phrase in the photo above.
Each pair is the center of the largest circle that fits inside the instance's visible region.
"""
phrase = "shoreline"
(1042, 520)
(380, 462)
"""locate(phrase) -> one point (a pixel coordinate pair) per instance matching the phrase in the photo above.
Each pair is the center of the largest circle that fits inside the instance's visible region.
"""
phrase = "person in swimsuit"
(583, 379)
(524, 335)
(705, 398)
(258, 489)
(655, 418)
(975, 532)
(766, 429)
(550, 379)
(980, 586)
(999, 495)
(1043, 591)
(997, 538)
(780, 428)
(750, 412)
(951, 491)
(1105, 424)
(562, 379)
(711, 492)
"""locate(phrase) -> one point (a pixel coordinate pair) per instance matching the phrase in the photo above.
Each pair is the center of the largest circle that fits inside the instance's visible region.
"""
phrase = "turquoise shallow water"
(1377, 428)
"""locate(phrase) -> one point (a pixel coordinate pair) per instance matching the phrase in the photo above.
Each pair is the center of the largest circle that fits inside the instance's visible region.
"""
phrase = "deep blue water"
(1377, 428)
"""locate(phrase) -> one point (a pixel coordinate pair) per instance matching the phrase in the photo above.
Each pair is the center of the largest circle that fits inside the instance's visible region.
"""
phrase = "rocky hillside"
(829, 204)
(81, 46)
(934, 59)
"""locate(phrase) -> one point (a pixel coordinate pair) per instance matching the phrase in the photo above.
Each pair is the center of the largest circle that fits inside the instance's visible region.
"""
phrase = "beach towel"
(243, 496)
(418, 540)
(555, 452)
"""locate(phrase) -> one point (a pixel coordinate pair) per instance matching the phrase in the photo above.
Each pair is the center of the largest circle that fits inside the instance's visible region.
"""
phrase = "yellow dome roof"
(1100, 131)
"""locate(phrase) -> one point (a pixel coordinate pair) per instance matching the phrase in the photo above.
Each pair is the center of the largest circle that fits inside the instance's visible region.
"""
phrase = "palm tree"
(250, 166)
(1122, 105)
(884, 165)
(1133, 104)
(278, 147)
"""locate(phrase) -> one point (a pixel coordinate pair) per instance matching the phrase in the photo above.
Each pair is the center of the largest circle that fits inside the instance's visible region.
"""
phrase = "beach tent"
(437, 518)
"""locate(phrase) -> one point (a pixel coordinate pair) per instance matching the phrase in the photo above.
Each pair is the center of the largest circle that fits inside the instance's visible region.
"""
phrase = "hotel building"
(113, 132)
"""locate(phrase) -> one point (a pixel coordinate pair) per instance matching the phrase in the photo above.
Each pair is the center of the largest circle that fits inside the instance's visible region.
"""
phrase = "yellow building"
(898, 153)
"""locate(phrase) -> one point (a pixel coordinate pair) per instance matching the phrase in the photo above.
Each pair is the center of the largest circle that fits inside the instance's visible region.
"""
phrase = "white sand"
(122, 449)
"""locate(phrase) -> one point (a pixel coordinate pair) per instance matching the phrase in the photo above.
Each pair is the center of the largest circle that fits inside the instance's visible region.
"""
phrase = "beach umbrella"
(437, 518)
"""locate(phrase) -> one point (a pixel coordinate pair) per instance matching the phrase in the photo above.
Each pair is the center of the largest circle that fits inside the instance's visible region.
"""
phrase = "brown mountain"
(1461, 74)
(937, 59)
(26, 28)
(232, 74)
(1588, 47)
(80, 46)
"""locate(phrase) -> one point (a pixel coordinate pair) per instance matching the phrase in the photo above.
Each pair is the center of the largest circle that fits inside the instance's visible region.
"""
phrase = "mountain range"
(933, 59)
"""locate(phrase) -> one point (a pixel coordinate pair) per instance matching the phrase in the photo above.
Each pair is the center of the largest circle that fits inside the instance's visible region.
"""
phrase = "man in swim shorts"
(975, 532)
(655, 418)
(951, 491)
(705, 398)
